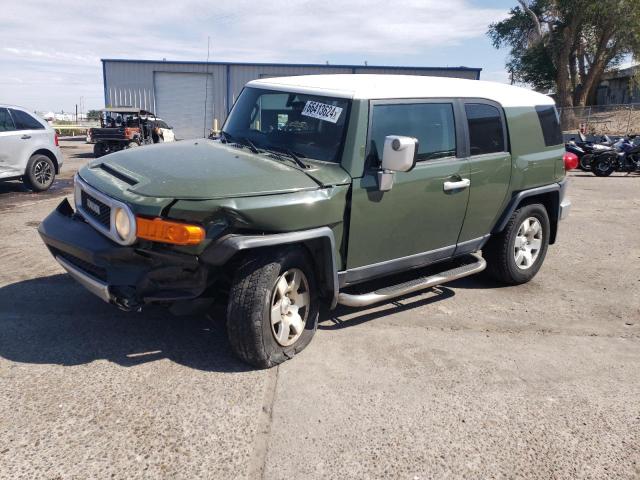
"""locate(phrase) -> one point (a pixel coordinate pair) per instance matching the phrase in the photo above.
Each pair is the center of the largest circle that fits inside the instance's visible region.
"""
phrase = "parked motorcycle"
(585, 150)
(623, 157)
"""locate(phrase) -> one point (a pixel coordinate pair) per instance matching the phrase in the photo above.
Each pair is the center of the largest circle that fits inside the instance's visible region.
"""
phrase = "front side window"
(6, 123)
(310, 126)
(550, 124)
(24, 121)
(431, 123)
(486, 132)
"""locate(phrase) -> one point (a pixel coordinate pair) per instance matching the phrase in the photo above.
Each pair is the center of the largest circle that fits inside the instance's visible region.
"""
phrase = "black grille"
(104, 216)
(93, 270)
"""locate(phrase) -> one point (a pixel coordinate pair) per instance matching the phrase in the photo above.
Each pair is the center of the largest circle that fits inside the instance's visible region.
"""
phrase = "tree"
(567, 45)
(93, 115)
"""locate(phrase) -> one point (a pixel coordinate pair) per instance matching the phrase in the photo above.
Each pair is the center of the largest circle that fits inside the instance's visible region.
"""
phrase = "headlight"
(77, 196)
(123, 224)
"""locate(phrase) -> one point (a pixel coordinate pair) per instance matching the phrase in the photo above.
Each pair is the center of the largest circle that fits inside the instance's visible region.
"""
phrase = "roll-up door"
(181, 100)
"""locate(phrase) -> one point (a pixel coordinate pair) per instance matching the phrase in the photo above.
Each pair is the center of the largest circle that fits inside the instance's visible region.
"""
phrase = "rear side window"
(431, 123)
(486, 132)
(550, 123)
(24, 121)
(6, 123)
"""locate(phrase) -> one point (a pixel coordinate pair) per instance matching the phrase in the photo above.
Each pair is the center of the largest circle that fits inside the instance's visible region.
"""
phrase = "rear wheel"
(515, 255)
(132, 145)
(273, 308)
(602, 166)
(40, 173)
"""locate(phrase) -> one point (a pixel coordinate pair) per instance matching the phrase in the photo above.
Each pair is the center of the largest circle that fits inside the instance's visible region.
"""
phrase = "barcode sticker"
(322, 111)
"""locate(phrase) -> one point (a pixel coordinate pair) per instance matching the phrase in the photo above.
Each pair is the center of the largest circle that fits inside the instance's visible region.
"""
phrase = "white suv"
(28, 149)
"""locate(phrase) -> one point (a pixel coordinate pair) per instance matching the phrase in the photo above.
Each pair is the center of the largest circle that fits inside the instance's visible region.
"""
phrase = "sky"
(50, 51)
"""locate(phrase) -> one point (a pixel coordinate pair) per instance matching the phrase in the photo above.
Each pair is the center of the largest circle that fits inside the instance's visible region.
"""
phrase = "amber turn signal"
(166, 231)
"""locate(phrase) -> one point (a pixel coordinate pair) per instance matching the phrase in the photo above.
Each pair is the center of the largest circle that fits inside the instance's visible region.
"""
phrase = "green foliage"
(566, 45)
(93, 115)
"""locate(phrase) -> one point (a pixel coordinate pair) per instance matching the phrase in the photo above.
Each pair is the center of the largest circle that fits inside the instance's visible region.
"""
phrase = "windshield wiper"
(280, 150)
(243, 141)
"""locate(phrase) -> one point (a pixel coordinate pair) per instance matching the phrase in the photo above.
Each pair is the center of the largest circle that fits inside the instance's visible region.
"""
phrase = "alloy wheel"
(528, 243)
(42, 172)
(289, 307)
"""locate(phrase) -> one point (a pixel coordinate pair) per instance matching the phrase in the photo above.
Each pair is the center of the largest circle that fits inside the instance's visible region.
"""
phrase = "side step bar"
(413, 285)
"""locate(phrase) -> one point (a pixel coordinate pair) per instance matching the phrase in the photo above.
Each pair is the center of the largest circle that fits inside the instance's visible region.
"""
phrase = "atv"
(127, 127)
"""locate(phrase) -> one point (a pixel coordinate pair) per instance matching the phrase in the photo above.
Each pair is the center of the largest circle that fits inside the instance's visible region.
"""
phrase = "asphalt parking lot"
(473, 380)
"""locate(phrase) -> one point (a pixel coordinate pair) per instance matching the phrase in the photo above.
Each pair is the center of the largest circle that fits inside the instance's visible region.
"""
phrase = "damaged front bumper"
(126, 276)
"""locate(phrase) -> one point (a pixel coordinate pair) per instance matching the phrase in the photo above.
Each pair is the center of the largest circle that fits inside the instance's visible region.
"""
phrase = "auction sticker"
(322, 111)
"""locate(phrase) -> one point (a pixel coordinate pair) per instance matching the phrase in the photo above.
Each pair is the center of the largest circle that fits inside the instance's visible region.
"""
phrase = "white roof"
(369, 86)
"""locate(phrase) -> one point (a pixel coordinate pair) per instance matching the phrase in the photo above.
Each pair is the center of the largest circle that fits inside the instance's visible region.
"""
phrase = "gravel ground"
(469, 381)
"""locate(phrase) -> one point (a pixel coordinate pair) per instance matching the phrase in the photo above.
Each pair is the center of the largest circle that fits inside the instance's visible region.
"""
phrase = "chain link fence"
(602, 119)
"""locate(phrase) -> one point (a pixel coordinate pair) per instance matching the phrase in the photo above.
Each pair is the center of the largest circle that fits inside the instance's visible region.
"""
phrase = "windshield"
(310, 126)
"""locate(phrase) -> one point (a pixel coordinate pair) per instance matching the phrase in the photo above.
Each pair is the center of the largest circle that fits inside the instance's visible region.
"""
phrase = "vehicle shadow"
(54, 320)
(620, 175)
(335, 320)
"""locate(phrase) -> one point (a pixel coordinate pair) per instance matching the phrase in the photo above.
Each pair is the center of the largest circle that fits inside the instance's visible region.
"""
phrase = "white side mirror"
(399, 155)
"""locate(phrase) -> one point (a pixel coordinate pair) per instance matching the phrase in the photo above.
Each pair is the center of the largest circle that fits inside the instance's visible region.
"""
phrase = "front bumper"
(127, 276)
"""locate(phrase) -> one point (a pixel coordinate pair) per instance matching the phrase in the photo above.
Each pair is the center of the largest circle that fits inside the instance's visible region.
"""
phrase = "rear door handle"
(25, 137)
(464, 183)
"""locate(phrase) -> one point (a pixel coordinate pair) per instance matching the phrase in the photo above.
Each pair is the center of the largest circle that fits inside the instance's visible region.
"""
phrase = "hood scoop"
(115, 173)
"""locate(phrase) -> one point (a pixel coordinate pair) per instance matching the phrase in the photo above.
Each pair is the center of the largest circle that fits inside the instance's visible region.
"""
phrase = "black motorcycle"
(586, 150)
(623, 157)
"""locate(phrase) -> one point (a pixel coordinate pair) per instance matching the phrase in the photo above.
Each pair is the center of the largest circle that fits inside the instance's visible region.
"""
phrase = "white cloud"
(54, 49)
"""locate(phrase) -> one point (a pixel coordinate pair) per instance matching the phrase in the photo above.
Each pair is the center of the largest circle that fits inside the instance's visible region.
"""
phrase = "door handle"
(25, 137)
(464, 183)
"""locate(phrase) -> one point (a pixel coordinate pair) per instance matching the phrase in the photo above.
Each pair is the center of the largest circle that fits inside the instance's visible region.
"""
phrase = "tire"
(99, 150)
(585, 163)
(40, 173)
(132, 145)
(254, 294)
(602, 166)
(501, 253)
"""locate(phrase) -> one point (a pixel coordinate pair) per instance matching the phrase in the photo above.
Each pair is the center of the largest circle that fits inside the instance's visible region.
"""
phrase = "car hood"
(204, 169)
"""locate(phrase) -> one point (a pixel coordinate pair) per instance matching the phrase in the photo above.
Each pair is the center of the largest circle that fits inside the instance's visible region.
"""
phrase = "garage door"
(180, 101)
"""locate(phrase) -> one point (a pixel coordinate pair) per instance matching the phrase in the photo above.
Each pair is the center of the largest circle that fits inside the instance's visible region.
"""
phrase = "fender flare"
(516, 200)
(222, 250)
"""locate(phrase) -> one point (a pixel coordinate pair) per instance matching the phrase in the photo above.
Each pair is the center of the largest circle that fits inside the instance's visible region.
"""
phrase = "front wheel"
(516, 254)
(273, 308)
(100, 149)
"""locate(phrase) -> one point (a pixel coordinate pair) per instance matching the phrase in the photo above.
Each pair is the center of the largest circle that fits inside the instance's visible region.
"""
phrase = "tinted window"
(431, 123)
(24, 121)
(6, 124)
(486, 134)
(550, 124)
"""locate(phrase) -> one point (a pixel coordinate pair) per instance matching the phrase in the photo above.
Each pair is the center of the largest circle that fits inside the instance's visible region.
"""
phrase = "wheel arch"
(50, 155)
(549, 195)
(318, 242)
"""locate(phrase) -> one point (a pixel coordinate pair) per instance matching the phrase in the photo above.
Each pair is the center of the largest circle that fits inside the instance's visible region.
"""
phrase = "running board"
(413, 285)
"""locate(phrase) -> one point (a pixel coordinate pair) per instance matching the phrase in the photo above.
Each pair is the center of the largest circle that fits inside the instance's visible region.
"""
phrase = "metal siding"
(122, 79)
(431, 72)
(131, 82)
(241, 74)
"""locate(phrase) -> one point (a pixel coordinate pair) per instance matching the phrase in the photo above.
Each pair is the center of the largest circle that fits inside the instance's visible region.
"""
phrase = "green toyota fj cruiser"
(318, 183)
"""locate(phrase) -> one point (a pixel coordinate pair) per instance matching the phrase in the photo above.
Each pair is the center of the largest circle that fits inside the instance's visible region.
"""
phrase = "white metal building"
(194, 97)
